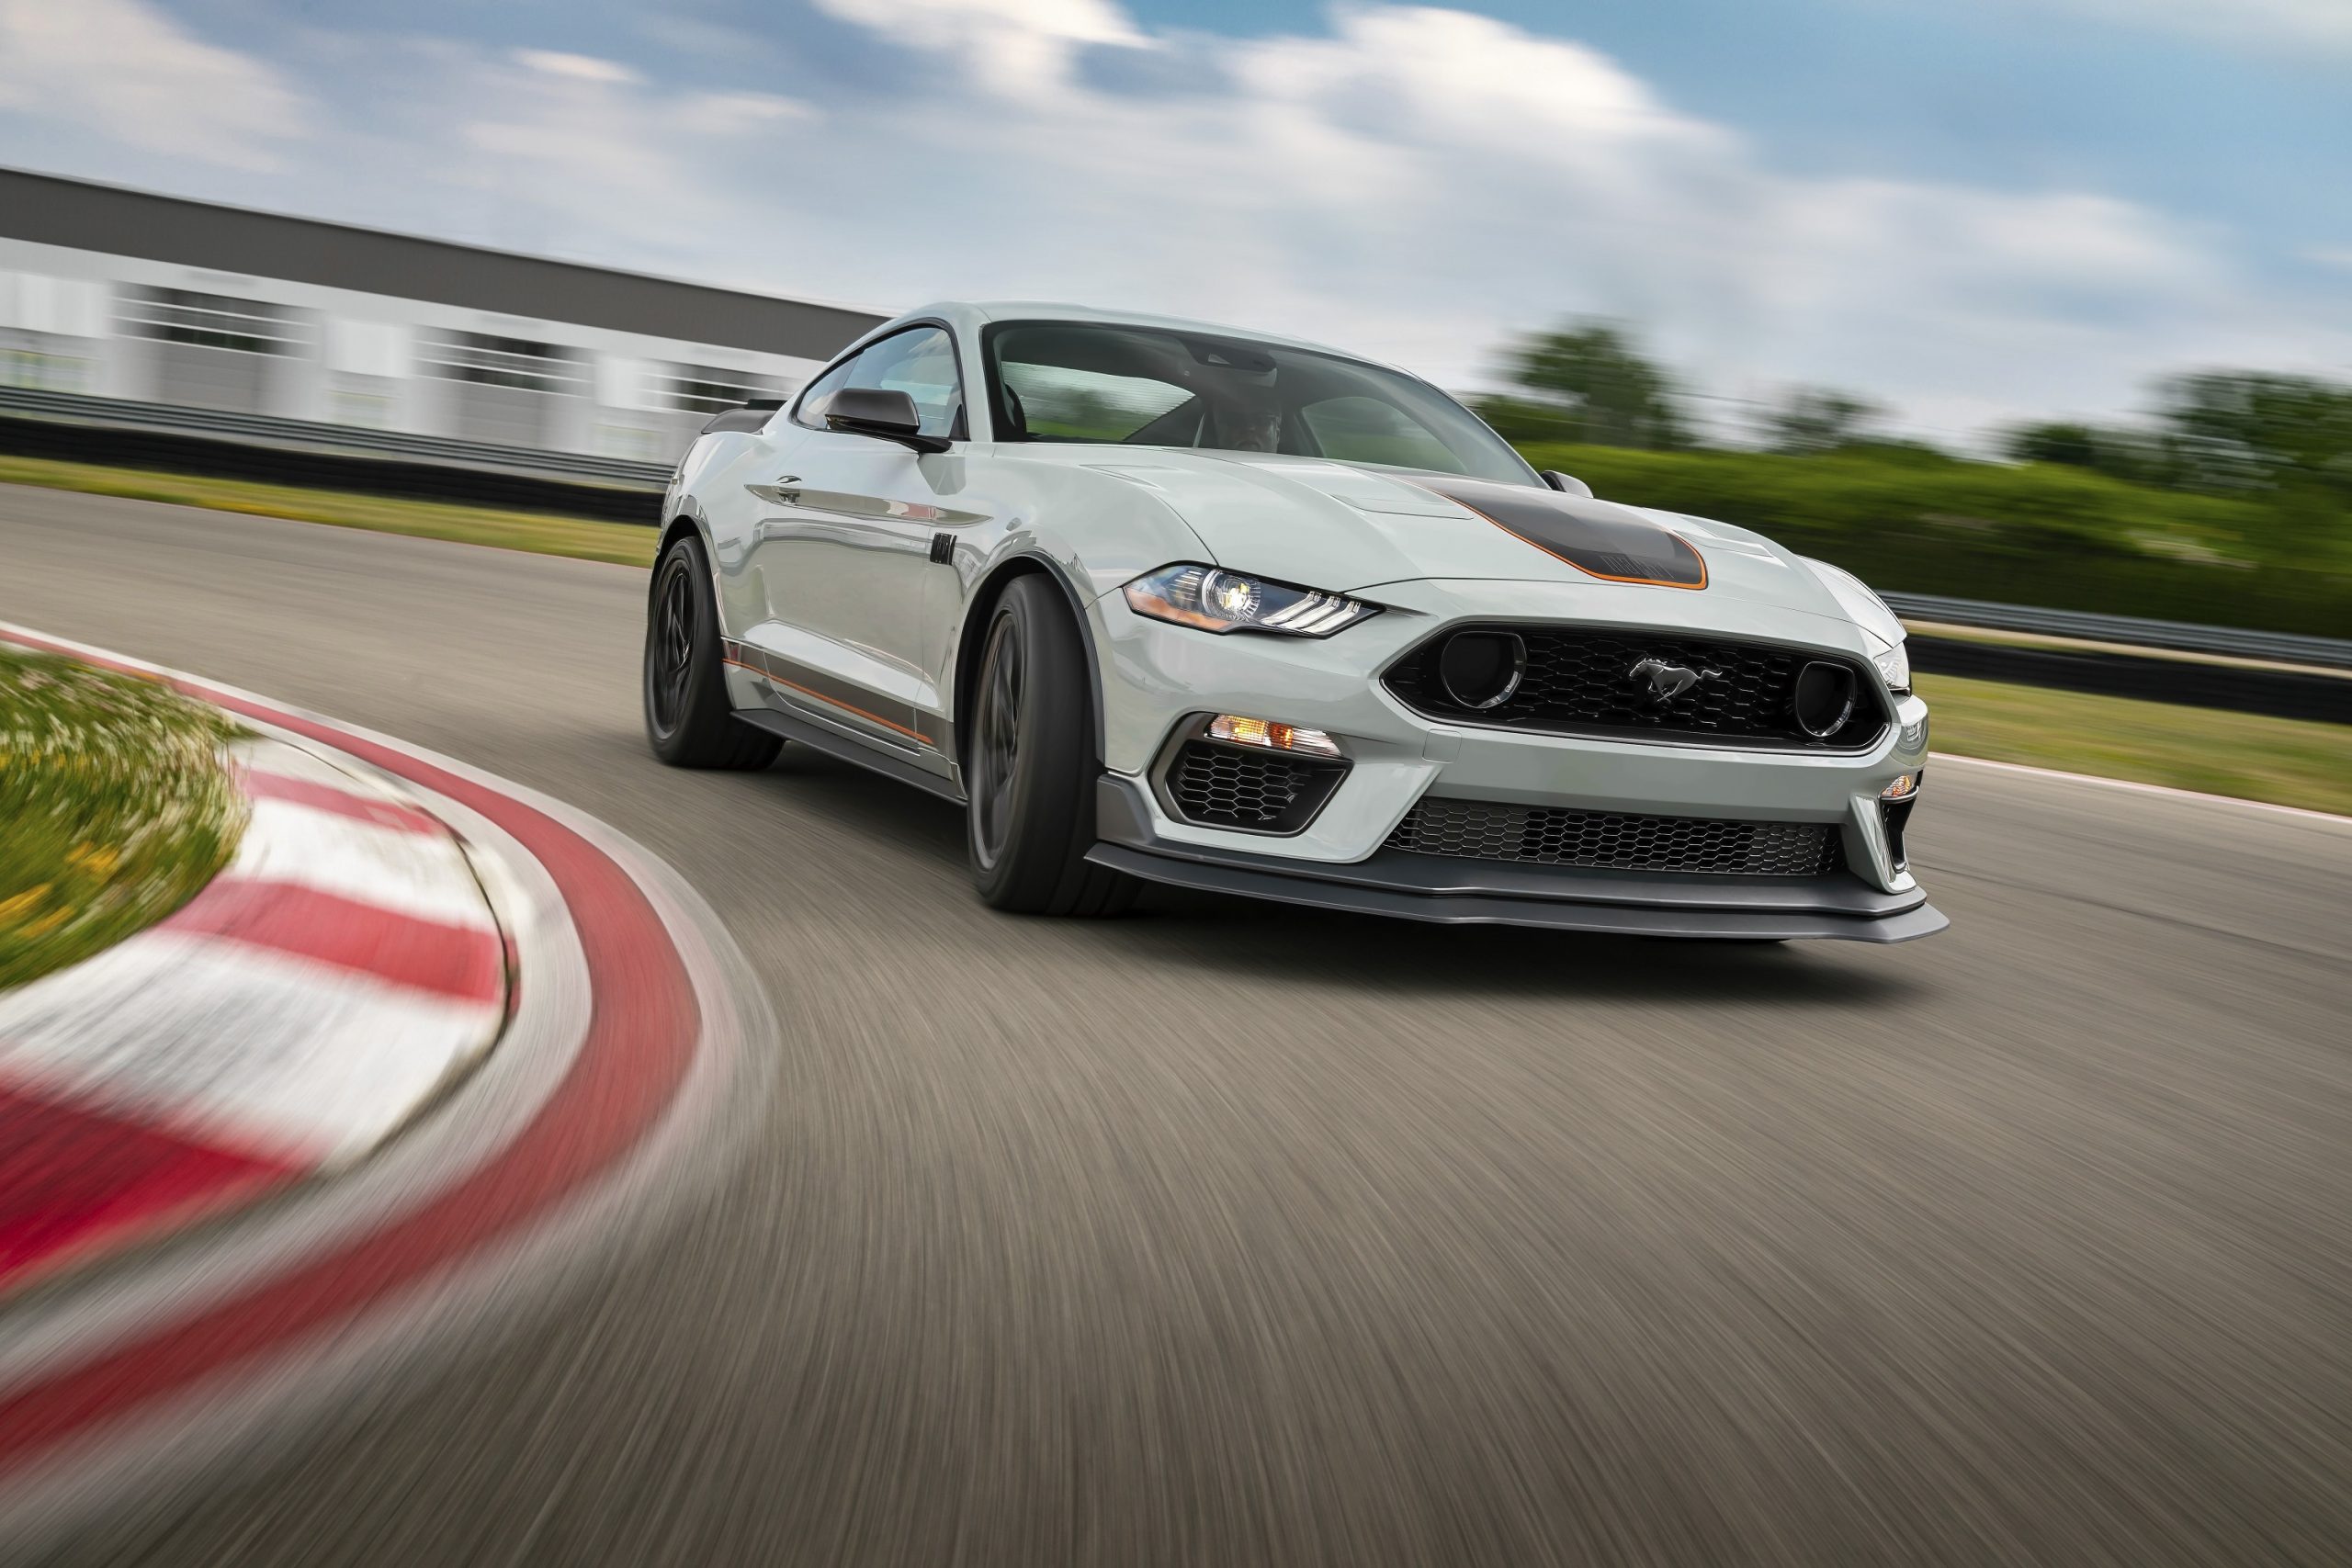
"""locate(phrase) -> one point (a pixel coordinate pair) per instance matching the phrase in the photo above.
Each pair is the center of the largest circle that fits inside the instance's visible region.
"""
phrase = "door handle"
(942, 549)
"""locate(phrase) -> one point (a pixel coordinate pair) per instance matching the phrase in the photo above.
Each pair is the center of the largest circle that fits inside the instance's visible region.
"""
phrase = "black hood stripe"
(1594, 537)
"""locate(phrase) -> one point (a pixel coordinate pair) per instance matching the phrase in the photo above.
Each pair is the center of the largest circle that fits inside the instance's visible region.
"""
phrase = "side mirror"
(1566, 484)
(887, 416)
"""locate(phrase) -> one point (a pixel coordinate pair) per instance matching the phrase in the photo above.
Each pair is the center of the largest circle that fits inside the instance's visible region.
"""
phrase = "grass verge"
(539, 533)
(116, 807)
(2285, 761)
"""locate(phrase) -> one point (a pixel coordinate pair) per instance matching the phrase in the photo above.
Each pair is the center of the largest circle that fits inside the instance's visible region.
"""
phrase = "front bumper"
(1159, 678)
(1454, 891)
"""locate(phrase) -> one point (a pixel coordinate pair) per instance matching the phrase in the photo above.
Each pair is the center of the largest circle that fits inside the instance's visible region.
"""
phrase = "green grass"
(116, 806)
(539, 533)
(2284, 761)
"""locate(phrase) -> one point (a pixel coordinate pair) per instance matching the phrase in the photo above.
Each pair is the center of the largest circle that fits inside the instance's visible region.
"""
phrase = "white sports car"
(1163, 602)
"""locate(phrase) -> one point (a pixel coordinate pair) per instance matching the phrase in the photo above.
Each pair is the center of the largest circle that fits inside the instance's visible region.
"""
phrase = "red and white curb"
(330, 982)
(625, 1081)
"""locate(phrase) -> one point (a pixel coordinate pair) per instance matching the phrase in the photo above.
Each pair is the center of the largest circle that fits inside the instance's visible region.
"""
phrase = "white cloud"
(1013, 45)
(1418, 182)
(730, 114)
(585, 149)
(1415, 183)
(570, 134)
(1468, 80)
(123, 69)
(579, 67)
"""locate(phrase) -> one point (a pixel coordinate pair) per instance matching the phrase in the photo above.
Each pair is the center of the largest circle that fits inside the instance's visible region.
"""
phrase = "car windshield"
(1082, 381)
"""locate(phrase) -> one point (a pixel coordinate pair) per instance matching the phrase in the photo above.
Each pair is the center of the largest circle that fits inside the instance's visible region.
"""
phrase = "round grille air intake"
(1823, 699)
(1480, 669)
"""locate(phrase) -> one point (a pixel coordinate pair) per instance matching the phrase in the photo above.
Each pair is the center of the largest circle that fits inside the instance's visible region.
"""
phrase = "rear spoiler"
(753, 416)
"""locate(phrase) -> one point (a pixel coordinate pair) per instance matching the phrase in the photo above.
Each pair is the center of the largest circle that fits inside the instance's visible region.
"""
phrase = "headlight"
(1894, 668)
(1218, 600)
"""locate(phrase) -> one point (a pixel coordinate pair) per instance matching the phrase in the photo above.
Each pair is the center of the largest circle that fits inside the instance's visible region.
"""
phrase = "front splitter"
(1718, 908)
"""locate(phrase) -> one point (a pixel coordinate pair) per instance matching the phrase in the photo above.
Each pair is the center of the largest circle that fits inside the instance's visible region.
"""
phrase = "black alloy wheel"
(671, 653)
(996, 742)
(688, 720)
(1030, 764)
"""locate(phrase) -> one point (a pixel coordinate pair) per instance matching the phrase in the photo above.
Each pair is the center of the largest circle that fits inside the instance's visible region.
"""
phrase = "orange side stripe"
(832, 702)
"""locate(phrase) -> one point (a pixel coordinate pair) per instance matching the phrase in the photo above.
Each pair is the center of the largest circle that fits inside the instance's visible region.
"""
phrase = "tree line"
(2229, 501)
(2281, 440)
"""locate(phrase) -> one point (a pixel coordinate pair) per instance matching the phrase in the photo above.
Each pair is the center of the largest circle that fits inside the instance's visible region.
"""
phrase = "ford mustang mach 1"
(1160, 601)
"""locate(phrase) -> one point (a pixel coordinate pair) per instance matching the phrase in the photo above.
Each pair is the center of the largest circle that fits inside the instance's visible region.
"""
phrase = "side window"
(810, 409)
(920, 362)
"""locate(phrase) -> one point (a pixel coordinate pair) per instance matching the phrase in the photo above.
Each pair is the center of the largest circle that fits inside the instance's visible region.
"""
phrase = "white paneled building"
(122, 294)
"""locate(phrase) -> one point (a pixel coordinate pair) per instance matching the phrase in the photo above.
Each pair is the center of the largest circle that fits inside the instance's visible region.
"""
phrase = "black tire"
(1029, 764)
(688, 720)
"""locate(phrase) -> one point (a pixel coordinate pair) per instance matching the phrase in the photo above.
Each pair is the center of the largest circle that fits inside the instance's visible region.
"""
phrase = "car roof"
(974, 314)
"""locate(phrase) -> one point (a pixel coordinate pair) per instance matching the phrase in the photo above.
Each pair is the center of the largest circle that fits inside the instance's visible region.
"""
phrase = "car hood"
(1326, 525)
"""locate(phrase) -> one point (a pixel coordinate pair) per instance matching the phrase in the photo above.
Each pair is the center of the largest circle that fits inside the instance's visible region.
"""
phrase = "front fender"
(1854, 596)
(707, 492)
(1078, 522)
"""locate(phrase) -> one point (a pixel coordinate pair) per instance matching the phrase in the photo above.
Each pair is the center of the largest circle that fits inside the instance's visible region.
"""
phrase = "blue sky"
(1979, 90)
(1973, 211)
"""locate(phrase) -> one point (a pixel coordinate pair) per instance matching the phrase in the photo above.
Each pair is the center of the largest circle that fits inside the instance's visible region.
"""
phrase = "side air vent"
(1245, 787)
(1896, 815)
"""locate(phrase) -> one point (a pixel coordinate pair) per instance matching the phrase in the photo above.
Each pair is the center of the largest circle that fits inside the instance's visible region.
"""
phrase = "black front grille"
(1543, 835)
(1249, 788)
(1581, 682)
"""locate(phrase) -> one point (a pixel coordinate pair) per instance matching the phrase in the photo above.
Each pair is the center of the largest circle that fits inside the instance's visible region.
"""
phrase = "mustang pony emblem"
(1667, 682)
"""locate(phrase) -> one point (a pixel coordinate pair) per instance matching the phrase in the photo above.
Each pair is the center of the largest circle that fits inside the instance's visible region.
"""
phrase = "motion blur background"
(2044, 302)
(1230, 1234)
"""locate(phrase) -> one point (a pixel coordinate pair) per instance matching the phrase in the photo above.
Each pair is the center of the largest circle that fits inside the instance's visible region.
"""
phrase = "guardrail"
(2282, 648)
(2324, 695)
(267, 430)
(120, 434)
(112, 430)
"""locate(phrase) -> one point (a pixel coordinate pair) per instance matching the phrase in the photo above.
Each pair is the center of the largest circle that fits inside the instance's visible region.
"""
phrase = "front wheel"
(1030, 764)
(688, 720)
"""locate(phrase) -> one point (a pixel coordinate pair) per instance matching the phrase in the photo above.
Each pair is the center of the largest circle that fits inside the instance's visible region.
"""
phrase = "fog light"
(1905, 787)
(1273, 736)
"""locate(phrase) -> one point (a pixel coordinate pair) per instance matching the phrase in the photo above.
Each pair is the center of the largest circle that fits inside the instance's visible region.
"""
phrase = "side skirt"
(833, 743)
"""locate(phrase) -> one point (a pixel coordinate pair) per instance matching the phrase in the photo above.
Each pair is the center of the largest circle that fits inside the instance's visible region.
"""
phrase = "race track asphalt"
(1230, 1234)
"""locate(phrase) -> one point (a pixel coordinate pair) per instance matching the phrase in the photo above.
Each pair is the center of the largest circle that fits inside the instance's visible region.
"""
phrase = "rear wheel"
(1030, 764)
(688, 720)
